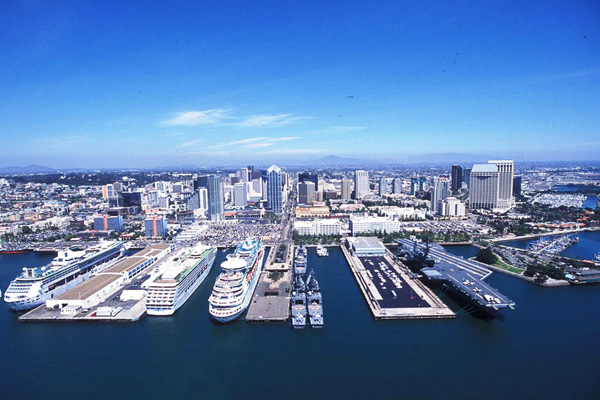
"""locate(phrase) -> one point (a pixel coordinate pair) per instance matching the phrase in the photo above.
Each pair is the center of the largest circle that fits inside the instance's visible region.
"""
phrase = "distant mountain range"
(29, 169)
(335, 160)
(425, 159)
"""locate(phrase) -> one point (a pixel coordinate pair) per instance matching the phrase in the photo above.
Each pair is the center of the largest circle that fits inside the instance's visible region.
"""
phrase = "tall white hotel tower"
(491, 185)
(361, 184)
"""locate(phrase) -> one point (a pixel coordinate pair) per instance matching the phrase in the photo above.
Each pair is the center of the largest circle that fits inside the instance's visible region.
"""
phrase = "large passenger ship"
(69, 268)
(184, 274)
(236, 283)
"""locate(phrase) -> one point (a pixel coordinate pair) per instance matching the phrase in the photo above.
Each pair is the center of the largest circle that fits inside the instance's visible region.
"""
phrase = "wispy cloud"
(237, 142)
(224, 117)
(253, 142)
(195, 118)
(271, 120)
(191, 143)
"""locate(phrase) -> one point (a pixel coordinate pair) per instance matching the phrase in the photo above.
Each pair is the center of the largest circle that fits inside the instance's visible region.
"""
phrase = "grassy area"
(505, 266)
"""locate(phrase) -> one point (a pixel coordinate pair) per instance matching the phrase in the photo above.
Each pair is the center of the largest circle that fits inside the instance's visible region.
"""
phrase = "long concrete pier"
(271, 299)
(390, 292)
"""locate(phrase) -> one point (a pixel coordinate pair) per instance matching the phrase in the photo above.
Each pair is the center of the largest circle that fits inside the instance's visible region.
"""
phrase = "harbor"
(405, 298)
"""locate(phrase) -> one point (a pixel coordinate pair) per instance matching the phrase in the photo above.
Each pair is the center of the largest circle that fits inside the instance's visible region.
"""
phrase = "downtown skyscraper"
(361, 184)
(216, 198)
(274, 189)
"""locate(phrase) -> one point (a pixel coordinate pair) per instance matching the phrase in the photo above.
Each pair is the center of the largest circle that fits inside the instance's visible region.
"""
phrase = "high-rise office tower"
(306, 192)
(423, 184)
(484, 187)
(245, 175)
(397, 185)
(346, 192)
(467, 176)
(457, 177)
(216, 198)
(517, 179)
(240, 194)
(414, 185)
(361, 184)
(201, 182)
(441, 191)
(204, 204)
(309, 177)
(383, 186)
(274, 189)
(108, 191)
(505, 182)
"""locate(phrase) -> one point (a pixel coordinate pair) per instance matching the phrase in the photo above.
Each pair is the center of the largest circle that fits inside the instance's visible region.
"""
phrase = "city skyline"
(207, 84)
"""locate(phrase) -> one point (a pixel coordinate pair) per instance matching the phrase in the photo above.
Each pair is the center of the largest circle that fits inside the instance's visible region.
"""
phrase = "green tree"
(486, 256)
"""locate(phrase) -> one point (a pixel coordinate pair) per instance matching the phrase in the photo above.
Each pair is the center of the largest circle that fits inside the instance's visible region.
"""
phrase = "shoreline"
(553, 233)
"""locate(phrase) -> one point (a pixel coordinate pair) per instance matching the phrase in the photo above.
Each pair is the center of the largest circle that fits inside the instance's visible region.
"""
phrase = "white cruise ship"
(68, 269)
(235, 285)
(184, 274)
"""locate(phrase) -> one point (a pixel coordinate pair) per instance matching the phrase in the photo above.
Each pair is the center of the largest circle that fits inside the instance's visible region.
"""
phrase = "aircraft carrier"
(462, 277)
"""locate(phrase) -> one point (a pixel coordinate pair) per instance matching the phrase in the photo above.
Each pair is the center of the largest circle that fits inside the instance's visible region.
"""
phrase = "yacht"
(71, 267)
(184, 273)
(322, 251)
(236, 283)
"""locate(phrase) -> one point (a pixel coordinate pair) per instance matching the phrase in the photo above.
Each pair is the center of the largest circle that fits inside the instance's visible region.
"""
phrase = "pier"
(386, 285)
(102, 297)
(271, 299)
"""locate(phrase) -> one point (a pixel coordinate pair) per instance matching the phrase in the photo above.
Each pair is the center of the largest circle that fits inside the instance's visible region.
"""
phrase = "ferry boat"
(322, 251)
(36, 285)
(235, 285)
(315, 301)
(300, 260)
(184, 274)
(298, 303)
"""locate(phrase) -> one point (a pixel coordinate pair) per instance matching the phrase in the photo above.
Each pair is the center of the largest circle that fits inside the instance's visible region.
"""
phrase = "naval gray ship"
(298, 303)
(315, 301)
(300, 260)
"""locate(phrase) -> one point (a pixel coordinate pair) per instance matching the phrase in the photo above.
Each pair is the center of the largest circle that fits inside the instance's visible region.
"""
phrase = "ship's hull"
(184, 297)
(247, 296)
(40, 298)
(14, 251)
(29, 303)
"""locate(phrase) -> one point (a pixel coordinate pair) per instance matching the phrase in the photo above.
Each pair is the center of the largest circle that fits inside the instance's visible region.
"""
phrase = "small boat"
(322, 251)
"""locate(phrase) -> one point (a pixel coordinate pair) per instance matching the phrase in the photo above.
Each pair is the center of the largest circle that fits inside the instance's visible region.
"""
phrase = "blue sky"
(139, 84)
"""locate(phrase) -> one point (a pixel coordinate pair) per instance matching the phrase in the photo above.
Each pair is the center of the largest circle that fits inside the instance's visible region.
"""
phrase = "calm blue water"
(588, 245)
(543, 349)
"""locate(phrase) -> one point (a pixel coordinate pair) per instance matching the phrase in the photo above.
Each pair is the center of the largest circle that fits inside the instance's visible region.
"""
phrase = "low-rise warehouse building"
(366, 247)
